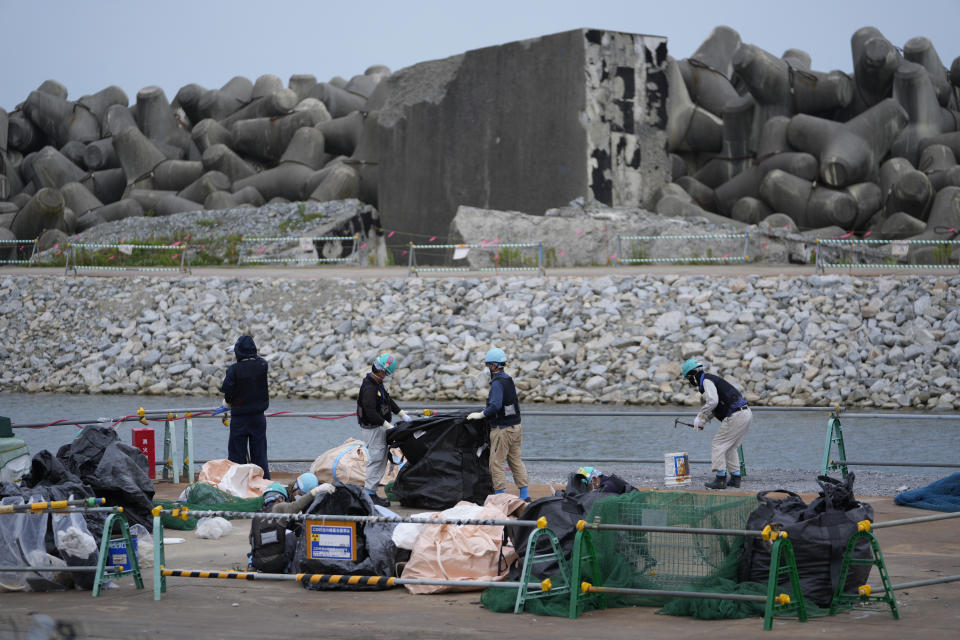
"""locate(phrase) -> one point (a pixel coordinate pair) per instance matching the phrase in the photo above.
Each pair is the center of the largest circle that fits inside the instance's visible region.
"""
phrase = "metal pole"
(920, 583)
(685, 530)
(52, 569)
(410, 270)
(55, 504)
(897, 464)
(918, 519)
(619, 249)
(746, 247)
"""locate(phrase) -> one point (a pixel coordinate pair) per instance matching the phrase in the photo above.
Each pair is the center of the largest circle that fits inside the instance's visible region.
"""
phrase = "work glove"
(326, 487)
(224, 407)
(404, 416)
(476, 415)
(698, 424)
(387, 425)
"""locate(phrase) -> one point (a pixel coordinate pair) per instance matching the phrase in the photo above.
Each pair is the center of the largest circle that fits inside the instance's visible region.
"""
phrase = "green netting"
(668, 561)
(205, 496)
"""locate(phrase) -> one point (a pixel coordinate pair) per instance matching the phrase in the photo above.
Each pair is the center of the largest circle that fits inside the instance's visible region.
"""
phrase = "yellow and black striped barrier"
(348, 579)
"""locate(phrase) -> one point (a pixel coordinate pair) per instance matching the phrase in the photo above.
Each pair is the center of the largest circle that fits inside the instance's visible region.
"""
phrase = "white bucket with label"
(676, 469)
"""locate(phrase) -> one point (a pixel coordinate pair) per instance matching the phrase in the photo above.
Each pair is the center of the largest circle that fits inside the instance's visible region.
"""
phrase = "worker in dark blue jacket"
(506, 434)
(245, 391)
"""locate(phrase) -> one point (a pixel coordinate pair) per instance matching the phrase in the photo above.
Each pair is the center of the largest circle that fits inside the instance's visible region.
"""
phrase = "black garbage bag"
(374, 553)
(115, 471)
(562, 514)
(819, 533)
(448, 460)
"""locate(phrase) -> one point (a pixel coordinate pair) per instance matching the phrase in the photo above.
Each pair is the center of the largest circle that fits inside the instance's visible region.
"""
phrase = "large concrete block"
(538, 123)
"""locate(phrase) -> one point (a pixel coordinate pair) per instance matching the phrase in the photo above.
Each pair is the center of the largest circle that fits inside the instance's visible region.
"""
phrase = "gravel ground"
(648, 476)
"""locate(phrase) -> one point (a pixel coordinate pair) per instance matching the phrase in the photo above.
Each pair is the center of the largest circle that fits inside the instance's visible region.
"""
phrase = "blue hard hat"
(386, 362)
(689, 366)
(273, 493)
(496, 356)
(306, 482)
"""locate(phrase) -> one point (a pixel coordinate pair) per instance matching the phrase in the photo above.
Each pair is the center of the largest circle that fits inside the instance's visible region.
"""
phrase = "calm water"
(777, 439)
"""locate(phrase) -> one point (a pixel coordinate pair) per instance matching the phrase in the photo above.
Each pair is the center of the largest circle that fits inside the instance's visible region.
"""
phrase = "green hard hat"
(386, 362)
(689, 366)
(275, 487)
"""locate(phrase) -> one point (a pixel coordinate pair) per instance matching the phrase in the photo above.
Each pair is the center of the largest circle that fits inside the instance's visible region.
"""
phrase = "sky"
(91, 44)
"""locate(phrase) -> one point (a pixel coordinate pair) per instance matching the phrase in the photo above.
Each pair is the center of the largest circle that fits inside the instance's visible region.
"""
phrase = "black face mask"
(692, 379)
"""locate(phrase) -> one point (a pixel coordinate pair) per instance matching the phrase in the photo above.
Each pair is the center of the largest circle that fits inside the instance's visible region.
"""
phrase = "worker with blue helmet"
(375, 408)
(723, 401)
(506, 435)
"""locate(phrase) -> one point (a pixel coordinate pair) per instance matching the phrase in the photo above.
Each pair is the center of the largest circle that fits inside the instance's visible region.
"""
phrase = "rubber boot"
(499, 491)
(377, 500)
(525, 493)
(733, 481)
(720, 482)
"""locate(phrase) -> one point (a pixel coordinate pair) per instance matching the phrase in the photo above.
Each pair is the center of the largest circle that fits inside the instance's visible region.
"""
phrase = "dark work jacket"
(728, 398)
(245, 385)
(374, 404)
(503, 406)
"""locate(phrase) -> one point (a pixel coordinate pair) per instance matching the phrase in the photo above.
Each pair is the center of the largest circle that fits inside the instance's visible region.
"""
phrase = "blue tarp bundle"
(942, 495)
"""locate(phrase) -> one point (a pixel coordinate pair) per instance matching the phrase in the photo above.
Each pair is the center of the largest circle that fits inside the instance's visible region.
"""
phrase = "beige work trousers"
(505, 447)
(723, 449)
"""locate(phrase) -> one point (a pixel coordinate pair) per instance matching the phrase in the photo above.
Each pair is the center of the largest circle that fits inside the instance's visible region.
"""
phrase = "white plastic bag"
(213, 528)
(144, 545)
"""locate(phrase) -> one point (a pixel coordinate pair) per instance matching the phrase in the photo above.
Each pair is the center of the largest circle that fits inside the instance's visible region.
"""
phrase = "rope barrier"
(348, 579)
(489, 245)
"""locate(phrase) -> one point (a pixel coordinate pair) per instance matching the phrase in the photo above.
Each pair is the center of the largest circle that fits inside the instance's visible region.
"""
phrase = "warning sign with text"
(331, 540)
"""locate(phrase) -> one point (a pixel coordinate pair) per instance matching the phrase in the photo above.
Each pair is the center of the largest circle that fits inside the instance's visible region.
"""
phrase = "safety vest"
(729, 399)
(509, 413)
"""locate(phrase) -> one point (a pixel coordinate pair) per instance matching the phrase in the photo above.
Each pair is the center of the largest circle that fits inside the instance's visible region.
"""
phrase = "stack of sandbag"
(347, 463)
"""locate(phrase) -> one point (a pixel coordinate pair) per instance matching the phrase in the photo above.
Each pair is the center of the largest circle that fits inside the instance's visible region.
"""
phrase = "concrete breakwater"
(884, 342)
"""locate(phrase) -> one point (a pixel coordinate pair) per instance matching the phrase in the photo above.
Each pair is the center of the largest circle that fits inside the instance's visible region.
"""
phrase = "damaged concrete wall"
(524, 126)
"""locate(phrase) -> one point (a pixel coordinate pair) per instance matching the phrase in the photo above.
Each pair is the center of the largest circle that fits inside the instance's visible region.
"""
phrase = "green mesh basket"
(204, 496)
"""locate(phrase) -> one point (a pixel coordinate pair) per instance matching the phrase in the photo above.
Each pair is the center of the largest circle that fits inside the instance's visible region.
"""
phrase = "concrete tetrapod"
(900, 226)
(689, 126)
(342, 183)
(869, 200)
(108, 185)
(100, 154)
(158, 123)
(267, 138)
(172, 203)
(891, 171)
(935, 161)
(781, 89)
(911, 194)
(810, 206)
(735, 153)
(921, 51)
(707, 87)
(943, 224)
(249, 195)
(342, 134)
(188, 99)
(750, 210)
(220, 103)
(875, 60)
(220, 157)
(50, 168)
(43, 211)
(148, 198)
(301, 83)
(915, 93)
(73, 151)
(802, 165)
(118, 119)
(279, 103)
(22, 134)
(339, 101)
(202, 187)
(700, 193)
(264, 85)
(285, 180)
(119, 210)
(951, 139)
(208, 133)
(78, 198)
(849, 152)
(60, 120)
(174, 175)
(306, 148)
(137, 154)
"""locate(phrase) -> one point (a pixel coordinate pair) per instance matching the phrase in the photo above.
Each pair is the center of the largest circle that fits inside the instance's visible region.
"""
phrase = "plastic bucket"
(676, 469)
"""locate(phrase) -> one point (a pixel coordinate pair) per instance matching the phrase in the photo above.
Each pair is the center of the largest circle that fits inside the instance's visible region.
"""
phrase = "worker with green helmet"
(506, 435)
(723, 401)
(375, 407)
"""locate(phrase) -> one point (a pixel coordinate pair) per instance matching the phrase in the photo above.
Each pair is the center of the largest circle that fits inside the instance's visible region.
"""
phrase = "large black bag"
(819, 533)
(375, 553)
(273, 543)
(448, 460)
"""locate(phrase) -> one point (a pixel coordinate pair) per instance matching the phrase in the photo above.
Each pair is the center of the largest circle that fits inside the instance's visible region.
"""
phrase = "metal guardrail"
(73, 255)
(23, 243)
(307, 244)
(413, 268)
(898, 249)
(675, 259)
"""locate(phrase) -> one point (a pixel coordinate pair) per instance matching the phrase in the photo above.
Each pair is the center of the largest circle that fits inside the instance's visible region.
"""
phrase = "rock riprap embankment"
(886, 342)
